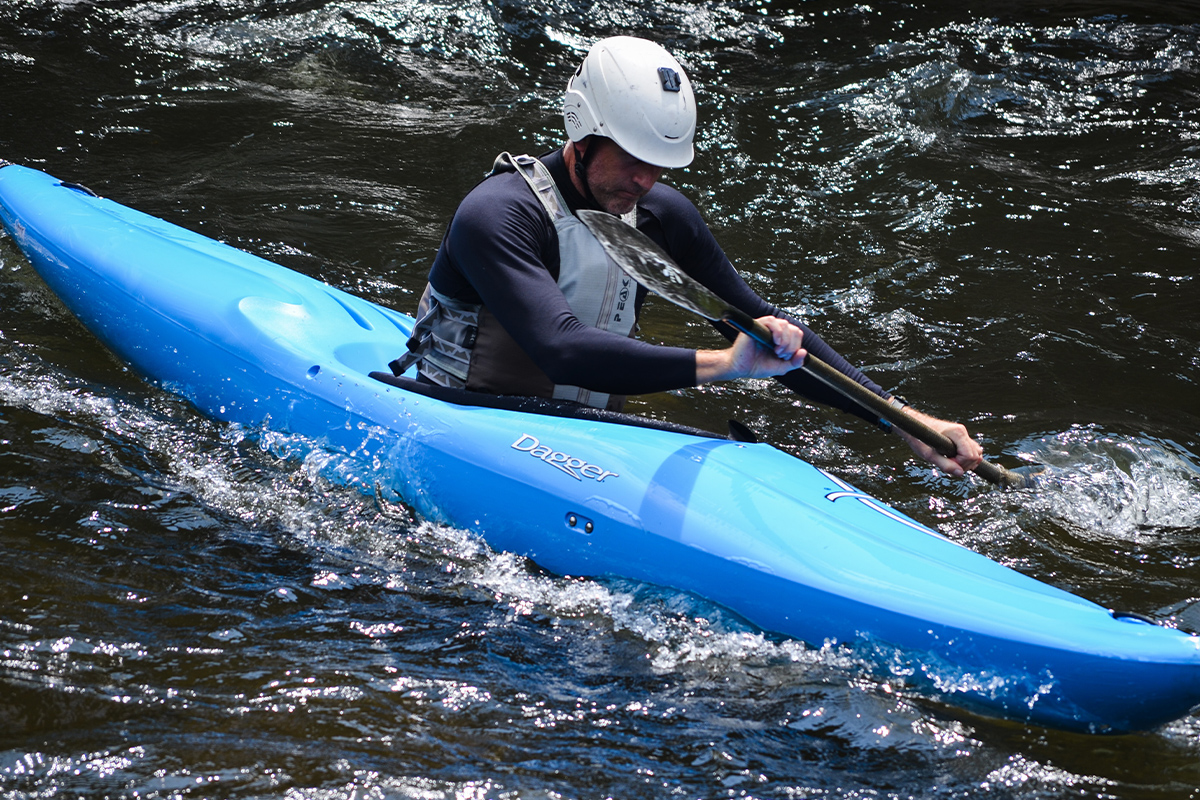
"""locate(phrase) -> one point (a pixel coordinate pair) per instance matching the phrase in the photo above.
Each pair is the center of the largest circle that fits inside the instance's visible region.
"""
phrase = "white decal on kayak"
(577, 468)
(875, 505)
(856, 495)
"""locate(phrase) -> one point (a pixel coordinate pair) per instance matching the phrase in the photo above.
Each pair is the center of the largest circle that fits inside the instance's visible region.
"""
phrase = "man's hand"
(969, 455)
(747, 359)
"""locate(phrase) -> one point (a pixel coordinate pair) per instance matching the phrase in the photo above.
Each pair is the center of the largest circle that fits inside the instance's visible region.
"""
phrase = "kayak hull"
(790, 548)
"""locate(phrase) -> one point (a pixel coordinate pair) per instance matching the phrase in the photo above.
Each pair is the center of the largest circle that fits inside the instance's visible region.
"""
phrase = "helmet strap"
(582, 159)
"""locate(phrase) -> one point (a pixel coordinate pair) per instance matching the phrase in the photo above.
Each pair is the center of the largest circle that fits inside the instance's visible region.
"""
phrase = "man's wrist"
(713, 365)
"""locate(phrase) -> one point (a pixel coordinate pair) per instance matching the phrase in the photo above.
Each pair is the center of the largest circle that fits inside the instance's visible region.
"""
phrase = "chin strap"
(582, 159)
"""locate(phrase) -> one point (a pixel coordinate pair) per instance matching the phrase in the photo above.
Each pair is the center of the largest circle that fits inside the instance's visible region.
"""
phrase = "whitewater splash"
(1121, 487)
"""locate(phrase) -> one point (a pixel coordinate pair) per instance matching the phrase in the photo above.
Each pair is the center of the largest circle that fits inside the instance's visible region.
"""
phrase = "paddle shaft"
(650, 266)
(848, 387)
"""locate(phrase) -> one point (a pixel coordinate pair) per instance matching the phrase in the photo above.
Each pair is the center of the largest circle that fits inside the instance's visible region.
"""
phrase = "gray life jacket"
(462, 345)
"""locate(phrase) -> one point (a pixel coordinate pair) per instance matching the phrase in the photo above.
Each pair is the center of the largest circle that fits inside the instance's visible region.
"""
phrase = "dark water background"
(994, 207)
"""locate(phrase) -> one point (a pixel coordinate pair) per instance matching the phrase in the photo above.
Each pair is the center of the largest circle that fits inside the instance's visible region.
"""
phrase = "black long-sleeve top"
(501, 250)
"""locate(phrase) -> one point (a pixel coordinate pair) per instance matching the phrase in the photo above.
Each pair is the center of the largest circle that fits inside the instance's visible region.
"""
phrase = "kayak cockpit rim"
(553, 408)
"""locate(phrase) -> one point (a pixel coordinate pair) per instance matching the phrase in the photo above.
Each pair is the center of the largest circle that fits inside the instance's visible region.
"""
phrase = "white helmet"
(635, 93)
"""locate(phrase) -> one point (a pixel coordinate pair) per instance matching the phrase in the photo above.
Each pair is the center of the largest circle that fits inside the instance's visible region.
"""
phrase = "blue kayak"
(790, 548)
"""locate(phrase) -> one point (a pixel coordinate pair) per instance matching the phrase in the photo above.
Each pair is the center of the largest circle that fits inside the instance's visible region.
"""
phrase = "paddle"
(646, 263)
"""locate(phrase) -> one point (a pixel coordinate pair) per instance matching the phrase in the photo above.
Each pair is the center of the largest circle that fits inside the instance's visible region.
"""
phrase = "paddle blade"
(1030, 476)
(645, 262)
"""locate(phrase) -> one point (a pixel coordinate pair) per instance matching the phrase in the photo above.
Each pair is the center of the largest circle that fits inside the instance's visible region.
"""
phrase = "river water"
(995, 210)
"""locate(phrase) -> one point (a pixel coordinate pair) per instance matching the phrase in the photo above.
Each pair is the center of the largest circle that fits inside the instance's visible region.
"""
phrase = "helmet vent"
(669, 78)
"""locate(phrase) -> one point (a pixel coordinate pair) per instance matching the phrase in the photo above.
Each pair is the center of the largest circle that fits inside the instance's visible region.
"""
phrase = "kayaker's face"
(617, 179)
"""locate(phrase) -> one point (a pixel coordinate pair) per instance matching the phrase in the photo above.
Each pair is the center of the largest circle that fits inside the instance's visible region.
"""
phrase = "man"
(523, 300)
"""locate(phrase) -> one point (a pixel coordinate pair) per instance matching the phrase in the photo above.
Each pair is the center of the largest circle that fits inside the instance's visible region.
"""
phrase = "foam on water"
(1117, 487)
